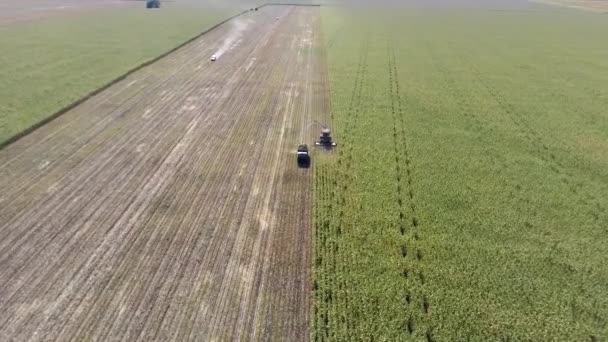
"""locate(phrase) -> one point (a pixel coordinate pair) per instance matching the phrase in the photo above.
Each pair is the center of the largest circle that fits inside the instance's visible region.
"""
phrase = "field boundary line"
(289, 4)
(14, 138)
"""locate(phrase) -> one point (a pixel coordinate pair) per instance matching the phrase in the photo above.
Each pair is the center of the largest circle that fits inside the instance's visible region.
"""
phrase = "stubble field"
(170, 207)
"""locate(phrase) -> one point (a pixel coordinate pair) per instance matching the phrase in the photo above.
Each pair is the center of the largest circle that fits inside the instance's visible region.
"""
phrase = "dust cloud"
(237, 27)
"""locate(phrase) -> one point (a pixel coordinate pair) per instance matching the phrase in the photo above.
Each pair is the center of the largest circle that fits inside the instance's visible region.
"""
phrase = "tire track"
(410, 227)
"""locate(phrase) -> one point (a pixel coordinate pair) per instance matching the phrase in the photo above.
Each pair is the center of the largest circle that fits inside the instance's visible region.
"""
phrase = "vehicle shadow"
(304, 165)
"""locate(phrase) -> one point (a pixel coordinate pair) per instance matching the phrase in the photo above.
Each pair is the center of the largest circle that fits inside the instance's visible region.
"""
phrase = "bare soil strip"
(170, 206)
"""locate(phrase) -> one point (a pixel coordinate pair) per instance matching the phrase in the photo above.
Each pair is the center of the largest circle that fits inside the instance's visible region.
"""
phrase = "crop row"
(331, 203)
(369, 271)
(542, 145)
(450, 211)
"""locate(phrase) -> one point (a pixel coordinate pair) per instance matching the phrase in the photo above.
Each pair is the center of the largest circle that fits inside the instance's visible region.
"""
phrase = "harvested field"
(170, 206)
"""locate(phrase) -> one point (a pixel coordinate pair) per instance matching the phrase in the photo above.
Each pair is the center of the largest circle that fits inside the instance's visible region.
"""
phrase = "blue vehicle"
(303, 156)
(153, 4)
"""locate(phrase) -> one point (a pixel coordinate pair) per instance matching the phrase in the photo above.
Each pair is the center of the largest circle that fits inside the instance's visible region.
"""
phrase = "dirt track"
(169, 207)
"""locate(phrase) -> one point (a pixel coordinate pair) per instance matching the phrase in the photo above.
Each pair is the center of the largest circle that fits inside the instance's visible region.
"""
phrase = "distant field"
(590, 5)
(12, 12)
(468, 199)
(46, 64)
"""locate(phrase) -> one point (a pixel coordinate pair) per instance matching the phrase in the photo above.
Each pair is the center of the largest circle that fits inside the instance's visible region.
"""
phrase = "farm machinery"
(152, 3)
(303, 156)
(325, 140)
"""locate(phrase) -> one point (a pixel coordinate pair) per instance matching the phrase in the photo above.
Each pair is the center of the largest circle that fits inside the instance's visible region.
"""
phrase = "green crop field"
(47, 64)
(468, 196)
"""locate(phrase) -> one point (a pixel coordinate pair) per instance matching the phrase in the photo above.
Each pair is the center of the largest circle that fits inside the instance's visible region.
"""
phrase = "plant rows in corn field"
(467, 197)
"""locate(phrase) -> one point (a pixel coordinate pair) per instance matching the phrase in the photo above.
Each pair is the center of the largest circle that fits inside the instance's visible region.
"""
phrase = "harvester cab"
(325, 139)
(303, 156)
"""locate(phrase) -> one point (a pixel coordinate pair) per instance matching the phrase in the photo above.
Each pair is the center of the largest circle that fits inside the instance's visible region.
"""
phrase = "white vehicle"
(213, 58)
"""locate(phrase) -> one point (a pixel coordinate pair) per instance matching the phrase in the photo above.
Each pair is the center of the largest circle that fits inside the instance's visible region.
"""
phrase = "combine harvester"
(325, 139)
